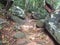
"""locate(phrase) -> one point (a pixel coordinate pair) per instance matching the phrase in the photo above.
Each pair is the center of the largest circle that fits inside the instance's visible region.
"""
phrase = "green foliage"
(20, 3)
(56, 4)
(33, 5)
(1, 6)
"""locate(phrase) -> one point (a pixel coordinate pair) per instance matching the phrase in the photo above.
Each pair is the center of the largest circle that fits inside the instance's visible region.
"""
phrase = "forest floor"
(27, 34)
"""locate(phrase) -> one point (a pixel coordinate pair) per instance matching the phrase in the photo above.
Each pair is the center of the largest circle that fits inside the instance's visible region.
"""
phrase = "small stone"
(39, 24)
(19, 35)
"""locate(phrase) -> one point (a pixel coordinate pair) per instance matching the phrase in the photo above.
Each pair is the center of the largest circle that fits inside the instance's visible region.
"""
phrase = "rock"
(17, 19)
(17, 11)
(36, 16)
(52, 25)
(19, 35)
(40, 24)
(2, 20)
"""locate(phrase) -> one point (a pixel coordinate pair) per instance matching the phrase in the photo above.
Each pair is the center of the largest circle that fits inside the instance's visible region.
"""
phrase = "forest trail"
(27, 34)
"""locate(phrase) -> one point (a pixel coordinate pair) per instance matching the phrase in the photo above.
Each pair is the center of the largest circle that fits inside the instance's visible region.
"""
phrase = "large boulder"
(17, 19)
(52, 25)
(17, 11)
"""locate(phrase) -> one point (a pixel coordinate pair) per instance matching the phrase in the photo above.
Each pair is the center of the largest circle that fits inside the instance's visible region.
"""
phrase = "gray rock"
(52, 25)
(36, 16)
(2, 20)
(19, 35)
(17, 11)
(17, 19)
(40, 24)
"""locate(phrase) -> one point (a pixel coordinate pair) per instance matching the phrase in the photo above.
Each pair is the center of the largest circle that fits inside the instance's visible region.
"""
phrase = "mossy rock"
(40, 24)
(19, 35)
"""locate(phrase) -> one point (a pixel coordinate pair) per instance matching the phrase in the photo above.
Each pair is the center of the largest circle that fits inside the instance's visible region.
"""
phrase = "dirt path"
(28, 34)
